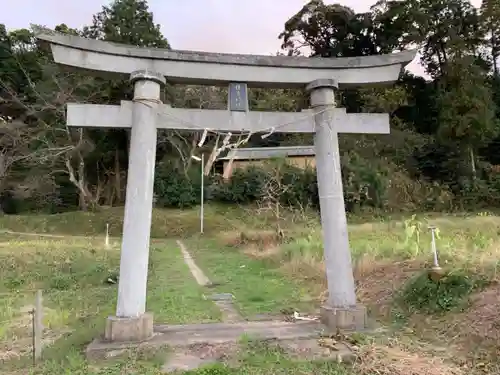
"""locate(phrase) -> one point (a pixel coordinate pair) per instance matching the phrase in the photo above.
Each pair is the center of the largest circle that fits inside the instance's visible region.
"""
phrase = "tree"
(455, 111)
(442, 28)
(421, 113)
(129, 22)
(19, 68)
(385, 100)
(272, 194)
(333, 31)
(183, 144)
(14, 146)
(21, 140)
(467, 111)
(490, 22)
(35, 93)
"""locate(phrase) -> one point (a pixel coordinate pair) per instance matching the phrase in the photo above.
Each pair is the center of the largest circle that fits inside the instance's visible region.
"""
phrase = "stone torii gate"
(149, 69)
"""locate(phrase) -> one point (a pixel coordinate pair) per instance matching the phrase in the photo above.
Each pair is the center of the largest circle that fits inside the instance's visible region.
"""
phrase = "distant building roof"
(257, 153)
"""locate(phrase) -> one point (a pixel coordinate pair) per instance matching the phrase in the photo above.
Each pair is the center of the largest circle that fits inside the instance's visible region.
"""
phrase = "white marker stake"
(107, 236)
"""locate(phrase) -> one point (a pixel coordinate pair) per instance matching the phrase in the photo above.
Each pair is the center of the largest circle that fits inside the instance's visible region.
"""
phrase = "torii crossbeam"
(114, 116)
(149, 67)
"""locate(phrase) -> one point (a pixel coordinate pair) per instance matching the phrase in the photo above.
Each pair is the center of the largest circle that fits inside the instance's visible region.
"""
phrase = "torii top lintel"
(190, 67)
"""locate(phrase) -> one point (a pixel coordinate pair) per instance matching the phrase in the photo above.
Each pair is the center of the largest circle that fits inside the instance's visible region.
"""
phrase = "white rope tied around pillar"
(329, 196)
(147, 100)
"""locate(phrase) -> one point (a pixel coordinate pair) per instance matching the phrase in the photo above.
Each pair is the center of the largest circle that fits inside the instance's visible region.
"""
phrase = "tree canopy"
(445, 128)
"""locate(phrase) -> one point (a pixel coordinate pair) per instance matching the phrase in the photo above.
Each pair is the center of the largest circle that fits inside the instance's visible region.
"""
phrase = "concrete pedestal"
(344, 319)
(129, 329)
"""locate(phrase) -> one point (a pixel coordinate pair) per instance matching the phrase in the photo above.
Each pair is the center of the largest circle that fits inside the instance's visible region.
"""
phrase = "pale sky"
(232, 26)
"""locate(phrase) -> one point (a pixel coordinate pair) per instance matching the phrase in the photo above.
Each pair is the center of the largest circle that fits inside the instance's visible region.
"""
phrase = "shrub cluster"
(424, 295)
(364, 186)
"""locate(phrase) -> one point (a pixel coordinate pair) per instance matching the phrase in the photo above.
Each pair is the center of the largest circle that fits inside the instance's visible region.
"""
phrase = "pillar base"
(344, 319)
(129, 329)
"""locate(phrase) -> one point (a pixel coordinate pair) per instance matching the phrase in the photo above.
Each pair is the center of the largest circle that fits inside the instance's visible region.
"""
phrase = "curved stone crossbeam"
(190, 67)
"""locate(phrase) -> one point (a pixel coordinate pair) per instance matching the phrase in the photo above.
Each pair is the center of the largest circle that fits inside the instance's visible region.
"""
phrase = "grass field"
(450, 327)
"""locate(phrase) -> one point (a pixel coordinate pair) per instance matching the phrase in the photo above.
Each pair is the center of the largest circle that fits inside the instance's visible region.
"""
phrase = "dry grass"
(482, 319)
(475, 331)
(378, 281)
(166, 223)
(386, 360)
(384, 260)
(72, 271)
(19, 342)
(383, 255)
(258, 244)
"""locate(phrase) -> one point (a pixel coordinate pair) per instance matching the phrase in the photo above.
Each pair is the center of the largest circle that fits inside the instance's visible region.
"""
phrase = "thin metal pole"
(433, 247)
(202, 208)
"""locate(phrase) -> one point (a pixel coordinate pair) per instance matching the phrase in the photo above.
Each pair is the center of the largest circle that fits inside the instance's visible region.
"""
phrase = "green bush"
(424, 295)
(365, 183)
(175, 188)
(62, 281)
(480, 192)
(244, 186)
(212, 369)
(302, 187)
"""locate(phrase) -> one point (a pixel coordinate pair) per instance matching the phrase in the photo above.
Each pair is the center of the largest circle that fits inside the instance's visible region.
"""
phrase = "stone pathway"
(223, 301)
(196, 345)
(196, 271)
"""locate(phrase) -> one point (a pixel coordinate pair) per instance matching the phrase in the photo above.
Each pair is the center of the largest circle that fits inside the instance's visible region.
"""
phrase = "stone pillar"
(341, 310)
(131, 322)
